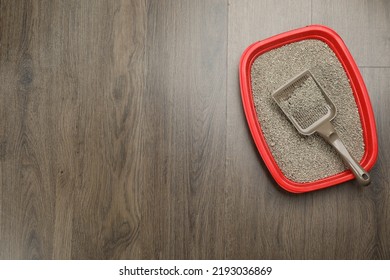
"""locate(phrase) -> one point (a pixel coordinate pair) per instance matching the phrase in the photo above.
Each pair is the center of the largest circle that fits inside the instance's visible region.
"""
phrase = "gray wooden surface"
(363, 25)
(122, 134)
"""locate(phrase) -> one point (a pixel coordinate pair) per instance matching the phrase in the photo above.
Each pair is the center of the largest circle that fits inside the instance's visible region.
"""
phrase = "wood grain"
(27, 205)
(363, 25)
(122, 134)
(186, 125)
(112, 42)
(72, 83)
(378, 82)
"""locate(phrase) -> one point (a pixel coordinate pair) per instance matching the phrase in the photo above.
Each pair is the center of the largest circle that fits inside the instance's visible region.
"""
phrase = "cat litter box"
(306, 163)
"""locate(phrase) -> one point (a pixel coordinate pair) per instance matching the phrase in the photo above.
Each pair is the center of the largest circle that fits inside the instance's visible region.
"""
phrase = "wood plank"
(378, 82)
(363, 25)
(107, 48)
(72, 82)
(185, 124)
(27, 202)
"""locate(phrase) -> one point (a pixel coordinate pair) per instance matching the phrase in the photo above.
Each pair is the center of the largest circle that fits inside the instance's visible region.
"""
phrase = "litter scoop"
(310, 110)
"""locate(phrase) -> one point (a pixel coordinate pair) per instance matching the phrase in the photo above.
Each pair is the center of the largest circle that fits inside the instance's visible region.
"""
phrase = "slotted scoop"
(310, 110)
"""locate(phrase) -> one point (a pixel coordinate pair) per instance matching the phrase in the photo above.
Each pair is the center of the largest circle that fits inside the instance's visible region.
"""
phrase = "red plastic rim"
(360, 93)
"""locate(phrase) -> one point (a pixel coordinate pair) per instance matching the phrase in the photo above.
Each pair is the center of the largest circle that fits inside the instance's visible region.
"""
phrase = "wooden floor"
(122, 134)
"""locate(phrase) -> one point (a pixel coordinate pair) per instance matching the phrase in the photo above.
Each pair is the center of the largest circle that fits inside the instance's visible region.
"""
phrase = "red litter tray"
(333, 40)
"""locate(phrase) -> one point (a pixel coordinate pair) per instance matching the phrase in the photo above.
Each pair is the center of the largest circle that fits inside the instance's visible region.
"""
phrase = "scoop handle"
(328, 132)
